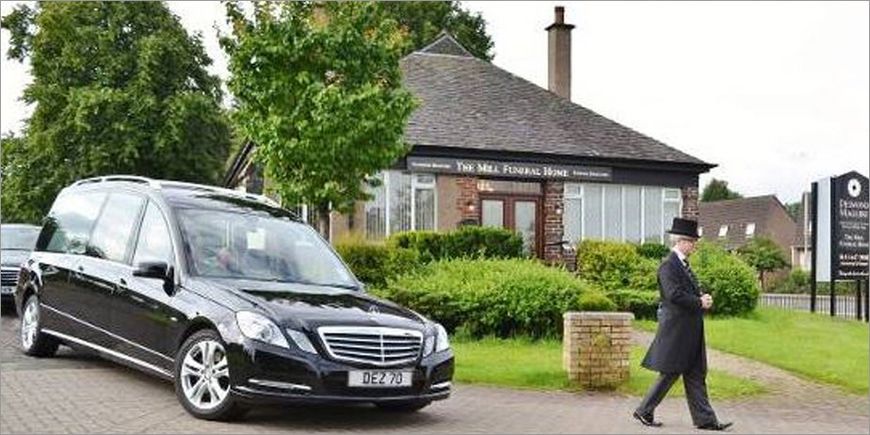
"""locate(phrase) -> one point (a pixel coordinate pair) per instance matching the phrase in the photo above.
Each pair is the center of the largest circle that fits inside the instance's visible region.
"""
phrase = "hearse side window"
(69, 223)
(154, 242)
(115, 227)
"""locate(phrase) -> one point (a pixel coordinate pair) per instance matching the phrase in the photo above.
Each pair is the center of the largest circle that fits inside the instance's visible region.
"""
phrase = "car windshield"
(23, 239)
(257, 246)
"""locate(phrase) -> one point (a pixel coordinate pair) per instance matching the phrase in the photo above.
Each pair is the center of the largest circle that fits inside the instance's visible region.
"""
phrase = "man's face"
(687, 246)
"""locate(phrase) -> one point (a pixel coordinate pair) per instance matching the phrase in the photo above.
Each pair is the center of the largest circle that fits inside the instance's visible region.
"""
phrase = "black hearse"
(224, 293)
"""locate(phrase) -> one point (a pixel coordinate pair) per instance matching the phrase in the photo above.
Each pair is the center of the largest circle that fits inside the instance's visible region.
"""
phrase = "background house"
(735, 222)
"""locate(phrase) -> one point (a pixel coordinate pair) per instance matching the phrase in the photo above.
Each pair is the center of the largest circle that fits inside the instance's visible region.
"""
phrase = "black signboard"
(495, 168)
(850, 226)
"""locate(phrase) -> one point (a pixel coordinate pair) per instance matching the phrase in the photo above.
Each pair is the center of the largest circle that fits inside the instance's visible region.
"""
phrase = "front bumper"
(264, 373)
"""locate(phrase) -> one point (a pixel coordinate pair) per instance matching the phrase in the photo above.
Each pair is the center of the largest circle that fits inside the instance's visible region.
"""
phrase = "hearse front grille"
(371, 345)
(9, 277)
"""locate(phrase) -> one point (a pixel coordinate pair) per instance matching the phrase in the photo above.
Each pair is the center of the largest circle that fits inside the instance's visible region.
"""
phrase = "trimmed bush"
(596, 301)
(654, 251)
(375, 264)
(727, 278)
(615, 266)
(642, 303)
(500, 297)
(465, 242)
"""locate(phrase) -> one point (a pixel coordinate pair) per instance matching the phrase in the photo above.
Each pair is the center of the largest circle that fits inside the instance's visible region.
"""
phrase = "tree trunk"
(323, 222)
(761, 278)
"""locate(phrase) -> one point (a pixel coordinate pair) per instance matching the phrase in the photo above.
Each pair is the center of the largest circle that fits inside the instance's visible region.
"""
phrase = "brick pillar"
(690, 202)
(468, 196)
(553, 229)
(596, 348)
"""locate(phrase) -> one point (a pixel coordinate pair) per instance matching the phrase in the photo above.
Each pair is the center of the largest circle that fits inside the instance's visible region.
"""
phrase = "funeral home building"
(490, 148)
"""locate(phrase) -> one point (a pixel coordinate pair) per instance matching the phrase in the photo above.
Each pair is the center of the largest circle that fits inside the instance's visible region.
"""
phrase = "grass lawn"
(814, 346)
(522, 363)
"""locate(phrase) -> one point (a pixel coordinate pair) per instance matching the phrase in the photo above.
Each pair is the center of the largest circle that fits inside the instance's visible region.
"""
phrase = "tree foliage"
(717, 190)
(764, 255)
(424, 20)
(117, 88)
(318, 89)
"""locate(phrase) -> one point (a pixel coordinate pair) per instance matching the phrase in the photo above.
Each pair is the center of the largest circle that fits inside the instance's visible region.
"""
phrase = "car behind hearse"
(16, 242)
(224, 293)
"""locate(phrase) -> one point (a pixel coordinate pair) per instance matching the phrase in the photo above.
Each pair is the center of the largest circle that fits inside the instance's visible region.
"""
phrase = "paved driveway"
(75, 393)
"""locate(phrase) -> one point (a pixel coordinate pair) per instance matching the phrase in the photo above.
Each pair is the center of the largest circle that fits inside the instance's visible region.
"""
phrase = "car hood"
(306, 307)
(13, 257)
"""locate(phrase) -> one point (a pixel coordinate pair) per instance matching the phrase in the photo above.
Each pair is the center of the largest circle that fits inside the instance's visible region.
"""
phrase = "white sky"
(776, 93)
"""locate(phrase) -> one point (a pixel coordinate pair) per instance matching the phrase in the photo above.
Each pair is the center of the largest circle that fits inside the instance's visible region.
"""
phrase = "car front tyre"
(202, 378)
(403, 407)
(34, 342)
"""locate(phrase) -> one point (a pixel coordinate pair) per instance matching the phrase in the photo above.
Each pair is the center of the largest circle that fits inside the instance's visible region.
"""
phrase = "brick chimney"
(559, 54)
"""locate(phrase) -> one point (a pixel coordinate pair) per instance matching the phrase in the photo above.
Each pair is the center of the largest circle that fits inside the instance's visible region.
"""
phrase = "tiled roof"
(766, 212)
(470, 103)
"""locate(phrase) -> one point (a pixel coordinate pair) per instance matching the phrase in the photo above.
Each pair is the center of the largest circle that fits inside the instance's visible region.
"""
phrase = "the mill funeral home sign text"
(493, 168)
(843, 227)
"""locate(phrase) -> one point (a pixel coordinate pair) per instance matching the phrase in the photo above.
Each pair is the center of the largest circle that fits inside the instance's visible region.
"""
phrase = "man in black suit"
(678, 348)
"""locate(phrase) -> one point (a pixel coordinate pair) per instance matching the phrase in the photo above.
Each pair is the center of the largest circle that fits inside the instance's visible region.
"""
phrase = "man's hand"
(706, 301)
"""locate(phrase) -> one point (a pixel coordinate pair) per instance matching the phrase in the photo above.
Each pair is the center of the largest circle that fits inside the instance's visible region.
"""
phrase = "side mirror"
(157, 270)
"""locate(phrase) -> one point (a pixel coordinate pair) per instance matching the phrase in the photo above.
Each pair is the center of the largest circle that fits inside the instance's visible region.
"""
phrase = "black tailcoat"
(679, 342)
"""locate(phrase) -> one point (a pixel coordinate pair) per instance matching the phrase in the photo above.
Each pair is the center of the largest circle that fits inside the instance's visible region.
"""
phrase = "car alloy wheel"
(205, 375)
(29, 324)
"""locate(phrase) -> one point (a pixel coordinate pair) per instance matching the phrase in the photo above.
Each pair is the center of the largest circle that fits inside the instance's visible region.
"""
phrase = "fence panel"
(845, 304)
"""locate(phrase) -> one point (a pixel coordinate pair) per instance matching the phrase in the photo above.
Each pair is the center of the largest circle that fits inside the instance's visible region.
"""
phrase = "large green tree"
(423, 21)
(717, 190)
(117, 88)
(318, 89)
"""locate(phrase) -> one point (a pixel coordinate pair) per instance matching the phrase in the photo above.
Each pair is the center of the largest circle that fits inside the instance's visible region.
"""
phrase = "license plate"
(379, 378)
(6, 290)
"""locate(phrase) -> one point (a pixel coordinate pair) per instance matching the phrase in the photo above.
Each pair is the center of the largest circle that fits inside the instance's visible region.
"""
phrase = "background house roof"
(470, 103)
(768, 214)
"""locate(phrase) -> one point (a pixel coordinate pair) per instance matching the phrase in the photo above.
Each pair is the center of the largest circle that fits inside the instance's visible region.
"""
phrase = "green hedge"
(731, 282)
(615, 266)
(655, 251)
(642, 303)
(468, 241)
(500, 297)
(374, 264)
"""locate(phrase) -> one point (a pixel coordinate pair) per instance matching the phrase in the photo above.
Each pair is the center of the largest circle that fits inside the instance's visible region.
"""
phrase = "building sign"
(850, 226)
(494, 168)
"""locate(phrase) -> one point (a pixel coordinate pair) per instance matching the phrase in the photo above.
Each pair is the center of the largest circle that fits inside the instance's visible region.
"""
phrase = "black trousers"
(695, 383)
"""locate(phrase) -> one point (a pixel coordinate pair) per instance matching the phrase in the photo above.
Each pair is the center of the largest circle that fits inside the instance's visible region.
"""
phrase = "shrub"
(797, 281)
(375, 264)
(468, 241)
(654, 251)
(730, 281)
(642, 303)
(596, 301)
(614, 266)
(501, 297)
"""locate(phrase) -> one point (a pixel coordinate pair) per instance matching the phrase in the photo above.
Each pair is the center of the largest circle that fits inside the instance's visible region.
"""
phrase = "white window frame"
(750, 230)
(415, 184)
(723, 231)
(580, 193)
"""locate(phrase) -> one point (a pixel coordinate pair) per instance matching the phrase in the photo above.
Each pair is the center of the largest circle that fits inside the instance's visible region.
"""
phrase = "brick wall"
(596, 348)
(467, 195)
(690, 202)
(553, 230)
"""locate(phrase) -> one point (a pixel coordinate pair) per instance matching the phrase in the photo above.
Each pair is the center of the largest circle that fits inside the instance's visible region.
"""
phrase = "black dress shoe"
(715, 426)
(646, 420)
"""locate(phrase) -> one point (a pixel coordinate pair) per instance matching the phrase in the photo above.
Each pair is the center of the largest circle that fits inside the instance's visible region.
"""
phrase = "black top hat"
(685, 227)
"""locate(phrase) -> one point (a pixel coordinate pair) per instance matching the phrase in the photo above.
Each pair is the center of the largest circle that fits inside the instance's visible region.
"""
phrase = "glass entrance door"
(515, 213)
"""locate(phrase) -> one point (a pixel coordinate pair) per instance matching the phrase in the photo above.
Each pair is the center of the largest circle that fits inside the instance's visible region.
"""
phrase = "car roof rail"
(124, 178)
(221, 190)
(157, 184)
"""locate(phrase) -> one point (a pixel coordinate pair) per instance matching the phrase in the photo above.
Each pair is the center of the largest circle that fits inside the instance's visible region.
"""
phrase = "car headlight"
(442, 342)
(301, 340)
(428, 345)
(258, 327)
